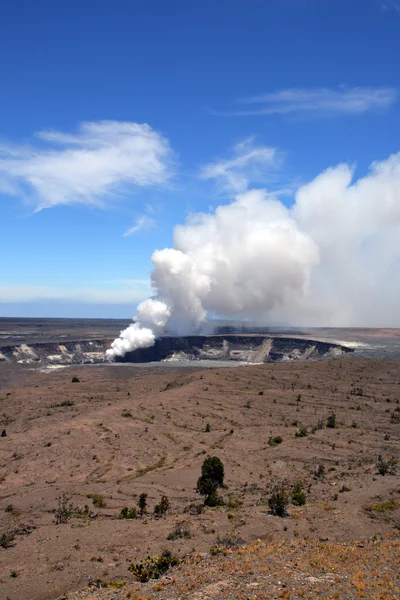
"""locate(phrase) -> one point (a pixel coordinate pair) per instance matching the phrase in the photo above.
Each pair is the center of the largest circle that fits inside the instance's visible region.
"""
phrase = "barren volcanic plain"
(124, 430)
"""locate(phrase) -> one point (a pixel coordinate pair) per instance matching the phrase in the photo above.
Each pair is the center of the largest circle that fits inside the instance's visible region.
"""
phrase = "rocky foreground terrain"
(122, 430)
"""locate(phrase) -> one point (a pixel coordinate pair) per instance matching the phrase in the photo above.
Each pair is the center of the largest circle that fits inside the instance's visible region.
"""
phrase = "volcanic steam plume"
(332, 258)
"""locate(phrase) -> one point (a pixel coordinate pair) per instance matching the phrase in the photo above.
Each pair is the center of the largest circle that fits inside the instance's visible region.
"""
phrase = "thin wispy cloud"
(317, 102)
(103, 160)
(10, 293)
(142, 223)
(249, 163)
(390, 5)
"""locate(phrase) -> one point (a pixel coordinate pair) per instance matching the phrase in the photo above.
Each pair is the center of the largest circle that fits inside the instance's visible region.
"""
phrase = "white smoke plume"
(331, 259)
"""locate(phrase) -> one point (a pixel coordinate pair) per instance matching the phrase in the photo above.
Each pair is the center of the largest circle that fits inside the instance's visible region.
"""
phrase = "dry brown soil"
(125, 430)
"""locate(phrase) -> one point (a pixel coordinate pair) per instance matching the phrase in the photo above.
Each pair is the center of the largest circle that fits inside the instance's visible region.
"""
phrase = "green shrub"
(75, 379)
(319, 473)
(386, 467)
(142, 504)
(194, 509)
(180, 531)
(331, 421)
(212, 477)
(128, 513)
(153, 567)
(213, 500)
(98, 500)
(279, 501)
(233, 503)
(6, 539)
(161, 508)
(275, 441)
(395, 418)
(301, 433)
(298, 495)
(64, 511)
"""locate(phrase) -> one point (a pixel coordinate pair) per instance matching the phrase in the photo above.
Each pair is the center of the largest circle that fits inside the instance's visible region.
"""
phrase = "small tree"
(212, 478)
(279, 501)
(142, 504)
(64, 510)
(331, 421)
(161, 508)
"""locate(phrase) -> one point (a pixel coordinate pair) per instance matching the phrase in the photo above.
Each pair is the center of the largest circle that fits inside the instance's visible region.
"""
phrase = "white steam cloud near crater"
(332, 259)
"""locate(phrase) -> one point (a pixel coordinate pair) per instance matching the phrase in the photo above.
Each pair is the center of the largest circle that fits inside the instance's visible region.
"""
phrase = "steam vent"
(242, 348)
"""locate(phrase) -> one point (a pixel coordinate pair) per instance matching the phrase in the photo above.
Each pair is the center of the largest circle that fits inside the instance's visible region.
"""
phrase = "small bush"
(301, 433)
(386, 467)
(395, 418)
(128, 513)
(331, 421)
(344, 488)
(163, 506)
(12, 510)
(208, 428)
(75, 379)
(6, 539)
(180, 531)
(381, 507)
(153, 567)
(223, 544)
(298, 495)
(279, 501)
(233, 503)
(319, 473)
(275, 441)
(194, 509)
(98, 500)
(64, 511)
(142, 504)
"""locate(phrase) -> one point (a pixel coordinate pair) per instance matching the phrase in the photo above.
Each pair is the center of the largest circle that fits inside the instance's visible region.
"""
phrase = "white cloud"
(129, 294)
(101, 161)
(249, 163)
(318, 102)
(389, 5)
(142, 223)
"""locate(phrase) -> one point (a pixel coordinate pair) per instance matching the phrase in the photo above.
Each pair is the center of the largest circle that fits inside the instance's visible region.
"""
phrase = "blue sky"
(234, 93)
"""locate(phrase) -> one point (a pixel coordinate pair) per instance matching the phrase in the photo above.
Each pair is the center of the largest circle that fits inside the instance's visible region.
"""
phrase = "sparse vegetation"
(6, 539)
(275, 441)
(142, 504)
(180, 531)
(386, 466)
(12, 510)
(75, 379)
(64, 511)
(98, 500)
(162, 507)
(279, 500)
(381, 507)
(319, 473)
(128, 513)
(395, 417)
(331, 421)
(222, 545)
(212, 478)
(298, 495)
(153, 567)
(301, 433)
